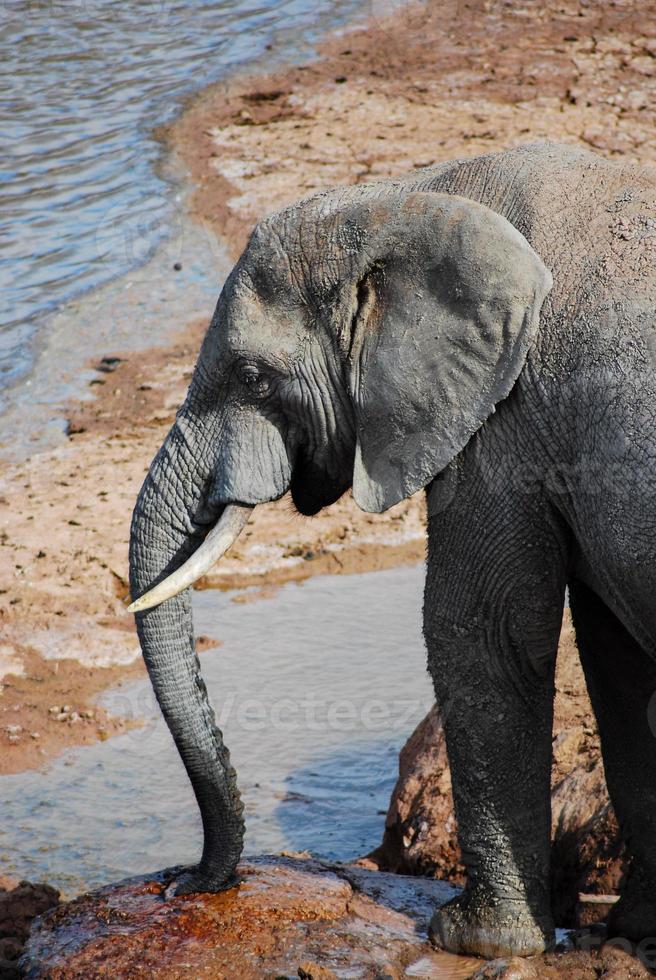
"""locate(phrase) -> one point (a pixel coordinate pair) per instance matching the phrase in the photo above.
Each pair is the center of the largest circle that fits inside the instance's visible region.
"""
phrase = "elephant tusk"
(223, 534)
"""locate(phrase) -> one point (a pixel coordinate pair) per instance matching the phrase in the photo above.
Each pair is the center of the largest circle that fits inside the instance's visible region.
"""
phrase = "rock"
(290, 917)
(20, 902)
(607, 963)
(313, 971)
(594, 909)
(420, 828)
(108, 364)
(587, 852)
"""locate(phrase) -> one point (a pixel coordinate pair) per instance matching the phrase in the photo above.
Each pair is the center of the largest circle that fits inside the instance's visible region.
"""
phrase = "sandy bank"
(434, 82)
(64, 527)
(431, 83)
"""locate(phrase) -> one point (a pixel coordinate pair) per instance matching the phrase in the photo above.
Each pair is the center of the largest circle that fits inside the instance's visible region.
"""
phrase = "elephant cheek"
(253, 466)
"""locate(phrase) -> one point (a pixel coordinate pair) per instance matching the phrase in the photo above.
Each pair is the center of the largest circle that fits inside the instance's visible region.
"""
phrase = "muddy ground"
(430, 83)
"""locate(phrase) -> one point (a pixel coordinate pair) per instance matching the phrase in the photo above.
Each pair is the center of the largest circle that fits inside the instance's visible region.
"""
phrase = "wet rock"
(313, 971)
(587, 855)
(290, 917)
(19, 904)
(607, 963)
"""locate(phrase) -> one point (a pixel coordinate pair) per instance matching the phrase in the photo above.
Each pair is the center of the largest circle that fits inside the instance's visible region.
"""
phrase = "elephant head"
(361, 340)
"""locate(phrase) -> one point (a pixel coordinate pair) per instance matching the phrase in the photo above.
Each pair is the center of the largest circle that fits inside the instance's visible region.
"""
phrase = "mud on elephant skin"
(483, 329)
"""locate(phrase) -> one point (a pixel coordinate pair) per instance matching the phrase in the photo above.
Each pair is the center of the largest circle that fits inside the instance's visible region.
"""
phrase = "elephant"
(482, 329)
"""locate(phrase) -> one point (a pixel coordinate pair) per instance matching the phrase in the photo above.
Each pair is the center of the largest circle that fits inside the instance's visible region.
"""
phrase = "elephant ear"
(441, 318)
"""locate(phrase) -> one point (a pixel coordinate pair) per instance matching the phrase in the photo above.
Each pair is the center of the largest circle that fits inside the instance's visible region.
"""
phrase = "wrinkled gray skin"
(406, 334)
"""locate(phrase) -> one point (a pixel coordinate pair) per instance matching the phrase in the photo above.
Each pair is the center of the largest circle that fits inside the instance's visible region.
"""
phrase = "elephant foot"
(490, 927)
(633, 917)
(188, 881)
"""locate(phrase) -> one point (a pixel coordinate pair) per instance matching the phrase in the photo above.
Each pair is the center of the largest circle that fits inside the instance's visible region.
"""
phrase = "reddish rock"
(20, 903)
(420, 829)
(290, 917)
(607, 963)
(587, 852)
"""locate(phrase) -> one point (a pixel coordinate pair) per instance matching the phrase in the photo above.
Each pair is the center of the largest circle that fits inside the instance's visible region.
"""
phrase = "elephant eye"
(253, 379)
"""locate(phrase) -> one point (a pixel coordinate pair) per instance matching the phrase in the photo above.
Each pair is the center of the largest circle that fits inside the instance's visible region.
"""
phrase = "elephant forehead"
(264, 329)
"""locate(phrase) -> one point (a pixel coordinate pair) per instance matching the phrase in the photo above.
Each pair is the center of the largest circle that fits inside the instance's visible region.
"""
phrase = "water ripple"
(82, 85)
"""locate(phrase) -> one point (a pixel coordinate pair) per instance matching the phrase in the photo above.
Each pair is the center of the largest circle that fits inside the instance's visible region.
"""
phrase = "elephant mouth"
(224, 533)
(314, 486)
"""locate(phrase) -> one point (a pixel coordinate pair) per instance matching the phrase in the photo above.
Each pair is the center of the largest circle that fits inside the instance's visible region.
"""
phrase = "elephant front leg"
(495, 589)
(498, 719)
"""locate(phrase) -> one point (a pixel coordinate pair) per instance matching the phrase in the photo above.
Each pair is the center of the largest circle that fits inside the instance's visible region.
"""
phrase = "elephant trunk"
(217, 542)
(169, 521)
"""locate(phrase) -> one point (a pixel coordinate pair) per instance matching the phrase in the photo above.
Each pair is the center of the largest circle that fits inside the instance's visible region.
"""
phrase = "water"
(316, 690)
(142, 309)
(82, 85)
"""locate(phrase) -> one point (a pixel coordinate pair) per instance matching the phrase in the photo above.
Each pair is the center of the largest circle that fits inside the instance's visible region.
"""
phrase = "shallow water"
(143, 309)
(83, 83)
(316, 690)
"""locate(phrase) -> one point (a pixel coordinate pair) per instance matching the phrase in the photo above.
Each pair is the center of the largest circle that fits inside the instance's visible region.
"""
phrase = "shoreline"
(65, 628)
(420, 86)
(124, 237)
